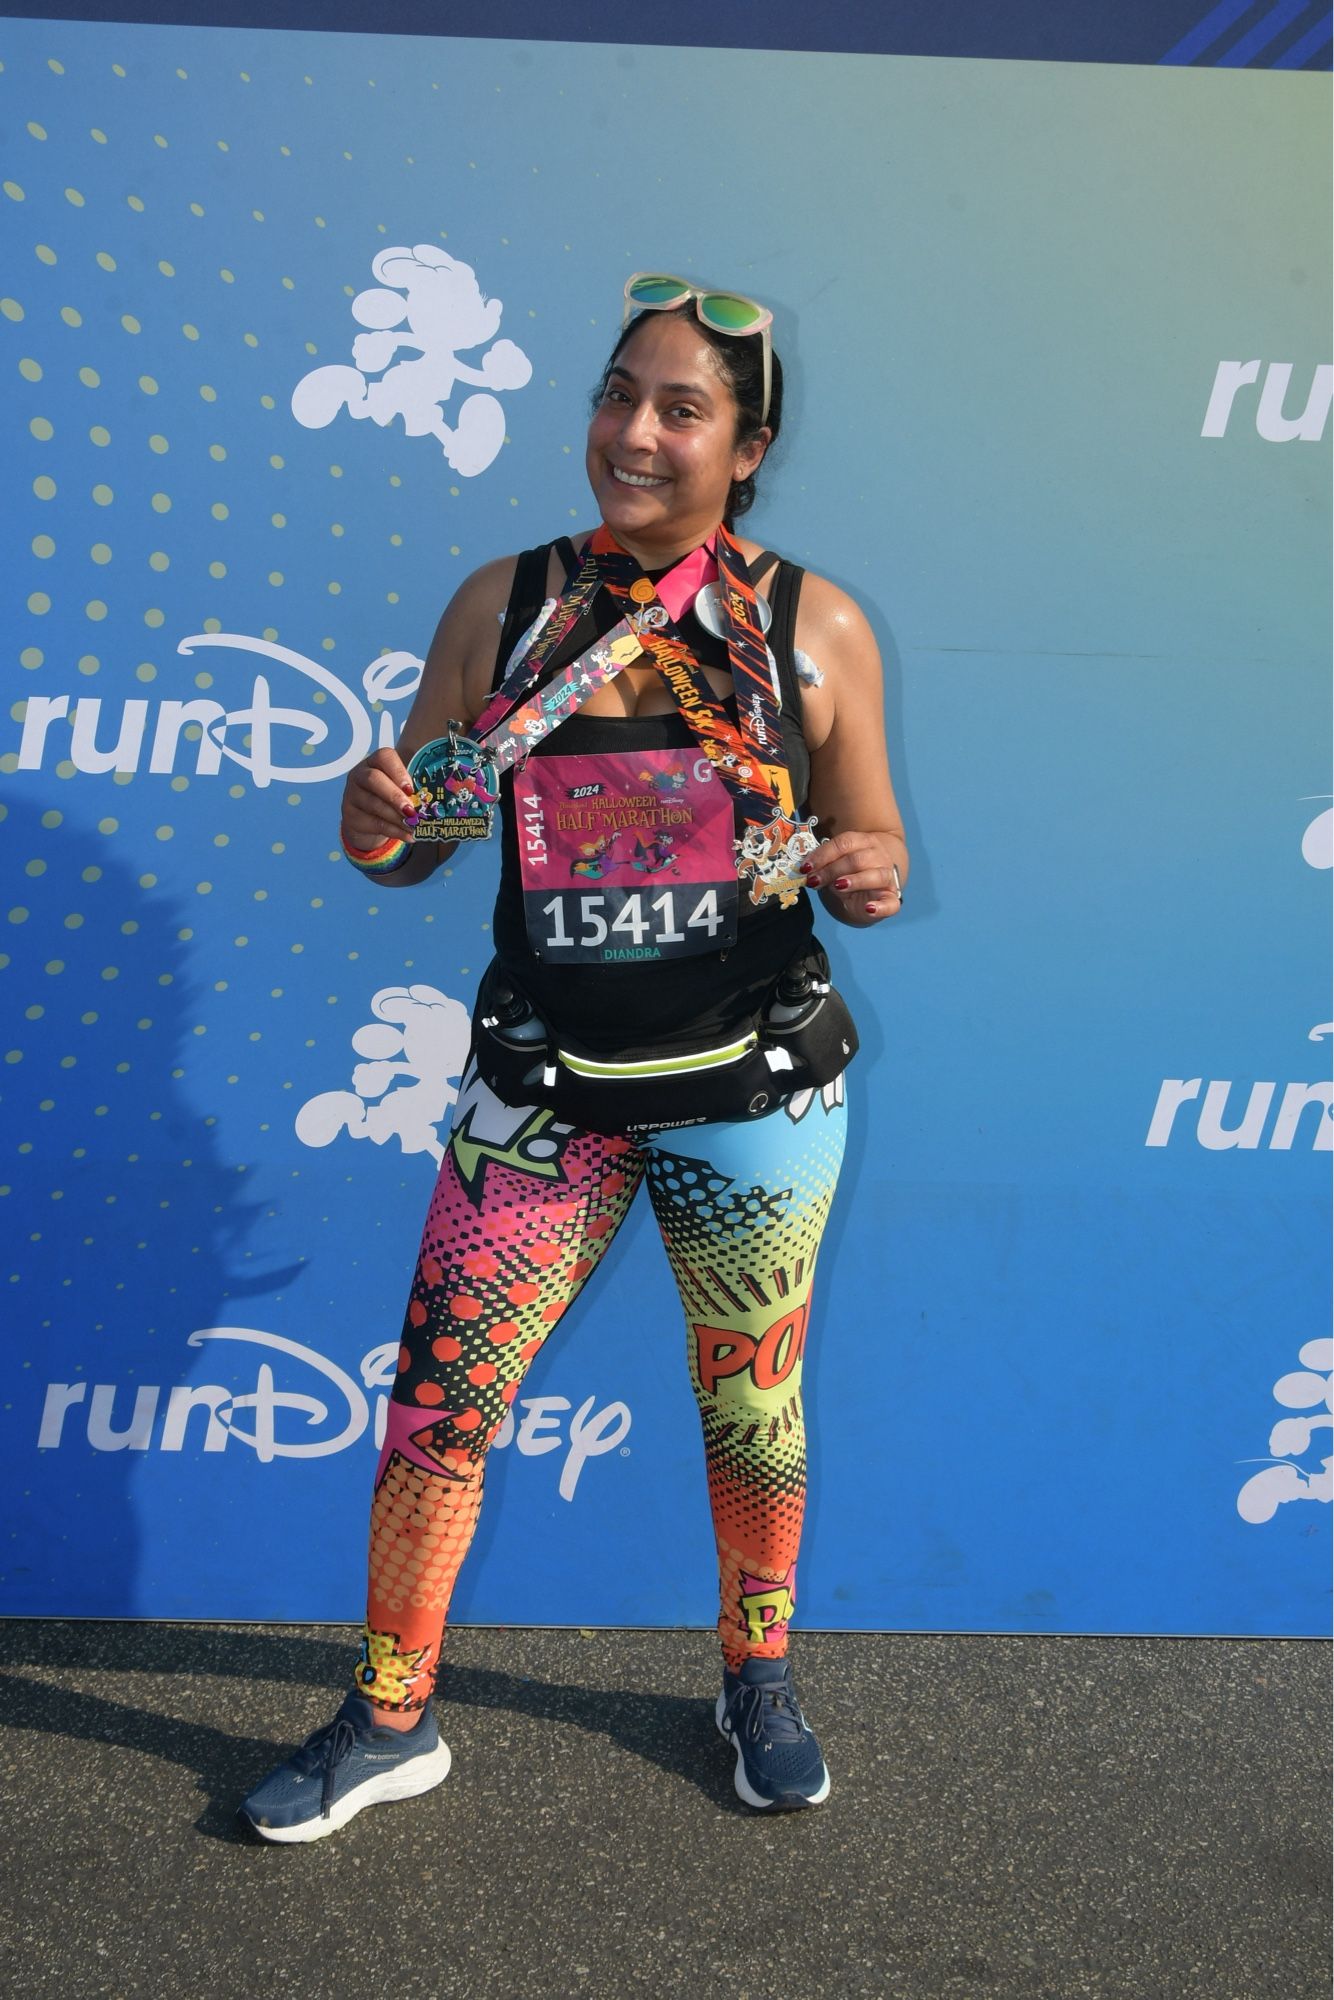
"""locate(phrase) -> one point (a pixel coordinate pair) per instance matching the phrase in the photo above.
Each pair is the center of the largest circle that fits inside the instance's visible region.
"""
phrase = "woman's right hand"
(456, 681)
(374, 796)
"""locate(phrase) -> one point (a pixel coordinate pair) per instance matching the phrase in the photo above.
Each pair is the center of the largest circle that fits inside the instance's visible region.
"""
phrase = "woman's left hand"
(860, 876)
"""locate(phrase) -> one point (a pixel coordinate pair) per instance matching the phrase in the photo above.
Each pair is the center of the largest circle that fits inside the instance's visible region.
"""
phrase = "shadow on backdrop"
(126, 1223)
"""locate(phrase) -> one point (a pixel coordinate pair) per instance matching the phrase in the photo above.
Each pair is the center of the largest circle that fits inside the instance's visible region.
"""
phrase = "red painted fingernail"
(842, 882)
(872, 909)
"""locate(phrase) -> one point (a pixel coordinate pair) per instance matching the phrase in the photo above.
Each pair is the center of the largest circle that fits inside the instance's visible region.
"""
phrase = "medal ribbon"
(554, 628)
(569, 609)
(748, 755)
(513, 734)
(515, 718)
(748, 758)
(757, 698)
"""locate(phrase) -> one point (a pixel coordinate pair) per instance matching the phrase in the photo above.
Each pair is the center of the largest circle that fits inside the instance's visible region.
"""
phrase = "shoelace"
(328, 1747)
(771, 1711)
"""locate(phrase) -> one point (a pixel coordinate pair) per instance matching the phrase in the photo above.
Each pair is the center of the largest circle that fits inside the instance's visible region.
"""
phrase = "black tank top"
(613, 1008)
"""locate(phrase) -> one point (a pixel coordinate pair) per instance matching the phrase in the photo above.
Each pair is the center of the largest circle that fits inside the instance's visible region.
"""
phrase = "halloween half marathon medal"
(454, 790)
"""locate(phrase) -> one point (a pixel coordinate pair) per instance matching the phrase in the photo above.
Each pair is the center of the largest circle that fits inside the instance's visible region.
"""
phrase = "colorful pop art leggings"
(524, 1209)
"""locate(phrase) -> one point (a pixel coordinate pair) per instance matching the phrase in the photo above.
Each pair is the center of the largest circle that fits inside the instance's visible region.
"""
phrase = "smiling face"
(662, 451)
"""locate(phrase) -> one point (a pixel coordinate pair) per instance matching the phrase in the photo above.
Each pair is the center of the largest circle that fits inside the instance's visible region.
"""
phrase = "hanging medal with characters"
(769, 857)
(454, 790)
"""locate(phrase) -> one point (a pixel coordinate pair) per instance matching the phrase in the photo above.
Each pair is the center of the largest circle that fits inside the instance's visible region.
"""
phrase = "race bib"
(626, 857)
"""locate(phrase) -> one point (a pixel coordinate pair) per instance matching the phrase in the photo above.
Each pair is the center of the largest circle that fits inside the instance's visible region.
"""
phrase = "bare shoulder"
(470, 623)
(827, 614)
(460, 660)
(484, 594)
(835, 634)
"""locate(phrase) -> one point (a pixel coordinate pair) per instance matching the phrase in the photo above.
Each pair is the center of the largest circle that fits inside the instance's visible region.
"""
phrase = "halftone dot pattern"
(107, 737)
(144, 181)
(743, 1250)
(524, 1209)
(518, 1222)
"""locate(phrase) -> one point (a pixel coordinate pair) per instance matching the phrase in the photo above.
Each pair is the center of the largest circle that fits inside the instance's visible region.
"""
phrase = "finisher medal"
(769, 858)
(454, 790)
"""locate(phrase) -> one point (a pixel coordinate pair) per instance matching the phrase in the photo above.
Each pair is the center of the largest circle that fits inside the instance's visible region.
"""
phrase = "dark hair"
(741, 365)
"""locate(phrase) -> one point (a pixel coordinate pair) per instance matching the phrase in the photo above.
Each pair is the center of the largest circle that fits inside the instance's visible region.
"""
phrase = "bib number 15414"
(611, 924)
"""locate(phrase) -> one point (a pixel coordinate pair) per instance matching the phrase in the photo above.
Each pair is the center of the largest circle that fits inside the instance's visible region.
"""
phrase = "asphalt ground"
(1026, 1818)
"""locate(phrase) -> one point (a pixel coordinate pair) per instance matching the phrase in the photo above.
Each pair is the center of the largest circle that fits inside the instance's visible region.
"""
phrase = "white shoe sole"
(790, 1802)
(423, 1774)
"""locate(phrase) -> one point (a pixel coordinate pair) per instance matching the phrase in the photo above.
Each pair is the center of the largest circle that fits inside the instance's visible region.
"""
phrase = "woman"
(657, 1010)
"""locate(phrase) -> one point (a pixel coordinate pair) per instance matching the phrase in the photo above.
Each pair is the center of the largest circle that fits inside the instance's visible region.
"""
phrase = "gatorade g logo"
(767, 1606)
(725, 1351)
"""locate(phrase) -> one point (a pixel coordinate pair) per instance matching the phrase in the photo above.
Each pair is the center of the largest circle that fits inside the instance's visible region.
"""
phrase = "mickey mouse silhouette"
(412, 1051)
(443, 312)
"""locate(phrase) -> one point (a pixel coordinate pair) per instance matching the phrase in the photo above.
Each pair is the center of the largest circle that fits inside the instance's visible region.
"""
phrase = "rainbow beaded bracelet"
(381, 860)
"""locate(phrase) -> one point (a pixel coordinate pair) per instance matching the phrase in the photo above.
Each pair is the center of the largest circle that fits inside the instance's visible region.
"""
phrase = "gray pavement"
(1033, 1818)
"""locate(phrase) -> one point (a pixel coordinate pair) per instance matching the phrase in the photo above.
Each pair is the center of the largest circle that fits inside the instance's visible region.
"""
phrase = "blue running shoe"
(352, 1762)
(778, 1762)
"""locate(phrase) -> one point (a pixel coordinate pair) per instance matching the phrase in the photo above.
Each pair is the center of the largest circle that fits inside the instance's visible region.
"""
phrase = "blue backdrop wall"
(298, 328)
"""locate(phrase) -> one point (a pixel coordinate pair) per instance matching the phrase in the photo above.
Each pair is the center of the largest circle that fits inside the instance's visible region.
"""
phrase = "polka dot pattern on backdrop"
(188, 959)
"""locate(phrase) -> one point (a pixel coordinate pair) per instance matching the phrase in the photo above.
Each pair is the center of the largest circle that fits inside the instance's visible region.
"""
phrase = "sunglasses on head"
(722, 312)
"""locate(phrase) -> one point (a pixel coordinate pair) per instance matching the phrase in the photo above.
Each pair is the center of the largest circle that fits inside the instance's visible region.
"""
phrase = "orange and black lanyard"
(747, 754)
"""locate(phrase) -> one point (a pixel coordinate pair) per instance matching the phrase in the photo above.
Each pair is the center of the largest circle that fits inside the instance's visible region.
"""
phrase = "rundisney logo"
(1247, 1133)
(339, 1412)
(245, 736)
(1271, 418)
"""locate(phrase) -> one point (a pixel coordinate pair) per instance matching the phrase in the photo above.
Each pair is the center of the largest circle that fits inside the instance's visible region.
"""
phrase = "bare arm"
(455, 684)
(851, 791)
